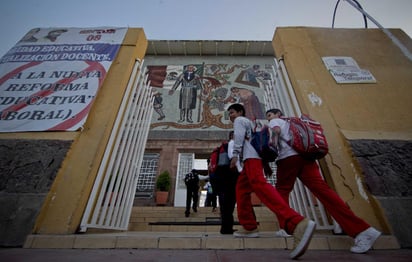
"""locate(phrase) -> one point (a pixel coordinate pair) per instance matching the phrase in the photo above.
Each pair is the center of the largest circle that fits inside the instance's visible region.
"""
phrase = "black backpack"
(191, 179)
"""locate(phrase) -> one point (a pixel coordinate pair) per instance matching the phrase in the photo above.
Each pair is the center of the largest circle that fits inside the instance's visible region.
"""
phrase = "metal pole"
(395, 40)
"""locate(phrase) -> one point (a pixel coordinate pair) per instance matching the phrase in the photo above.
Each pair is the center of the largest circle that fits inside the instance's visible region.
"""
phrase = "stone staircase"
(167, 228)
(172, 219)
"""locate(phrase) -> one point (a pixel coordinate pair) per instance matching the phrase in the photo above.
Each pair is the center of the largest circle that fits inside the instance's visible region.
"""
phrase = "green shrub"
(163, 181)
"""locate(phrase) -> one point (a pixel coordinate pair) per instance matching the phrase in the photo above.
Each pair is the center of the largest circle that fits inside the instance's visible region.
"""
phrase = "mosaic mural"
(197, 96)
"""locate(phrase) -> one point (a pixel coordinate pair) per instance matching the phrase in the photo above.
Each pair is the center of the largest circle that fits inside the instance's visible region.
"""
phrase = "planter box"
(161, 198)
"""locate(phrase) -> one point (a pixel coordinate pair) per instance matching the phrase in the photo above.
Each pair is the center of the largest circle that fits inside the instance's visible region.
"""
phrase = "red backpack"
(307, 137)
(219, 157)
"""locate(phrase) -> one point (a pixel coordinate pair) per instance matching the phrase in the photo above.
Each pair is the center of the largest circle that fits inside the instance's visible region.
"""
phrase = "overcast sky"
(196, 19)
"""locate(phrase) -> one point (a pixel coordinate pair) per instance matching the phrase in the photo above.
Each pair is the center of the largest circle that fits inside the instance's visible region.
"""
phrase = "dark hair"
(237, 108)
(275, 111)
(231, 133)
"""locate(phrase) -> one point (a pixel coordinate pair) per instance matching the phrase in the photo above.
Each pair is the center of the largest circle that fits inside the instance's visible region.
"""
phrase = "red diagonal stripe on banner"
(92, 66)
(16, 71)
(83, 113)
(73, 121)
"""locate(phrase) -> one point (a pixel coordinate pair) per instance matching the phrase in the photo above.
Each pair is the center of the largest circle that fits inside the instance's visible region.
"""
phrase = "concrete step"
(168, 228)
(193, 240)
(172, 219)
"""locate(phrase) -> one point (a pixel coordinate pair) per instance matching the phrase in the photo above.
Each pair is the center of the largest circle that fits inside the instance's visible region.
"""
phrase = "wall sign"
(345, 70)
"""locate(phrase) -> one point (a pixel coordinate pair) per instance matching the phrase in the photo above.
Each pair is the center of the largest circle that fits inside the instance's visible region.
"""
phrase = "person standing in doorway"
(290, 166)
(211, 198)
(252, 179)
(192, 190)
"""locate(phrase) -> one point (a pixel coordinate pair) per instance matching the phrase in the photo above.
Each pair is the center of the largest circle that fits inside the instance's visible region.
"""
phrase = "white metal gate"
(111, 200)
(280, 94)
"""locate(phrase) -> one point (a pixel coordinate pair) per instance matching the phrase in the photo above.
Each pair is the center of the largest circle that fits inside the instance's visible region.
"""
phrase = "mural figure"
(253, 76)
(249, 100)
(172, 76)
(205, 90)
(218, 98)
(158, 105)
(190, 82)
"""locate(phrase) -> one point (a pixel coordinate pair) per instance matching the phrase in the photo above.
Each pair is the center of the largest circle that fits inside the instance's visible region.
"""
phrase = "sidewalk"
(172, 255)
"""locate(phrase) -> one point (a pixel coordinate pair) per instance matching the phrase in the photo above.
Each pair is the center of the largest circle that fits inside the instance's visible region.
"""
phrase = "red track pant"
(251, 179)
(293, 167)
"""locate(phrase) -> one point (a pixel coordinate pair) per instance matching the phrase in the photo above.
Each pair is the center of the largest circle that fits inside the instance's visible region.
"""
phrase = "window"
(147, 176)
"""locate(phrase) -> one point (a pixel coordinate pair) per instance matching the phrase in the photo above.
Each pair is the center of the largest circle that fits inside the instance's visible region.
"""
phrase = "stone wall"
(27, 171)
(387, 166)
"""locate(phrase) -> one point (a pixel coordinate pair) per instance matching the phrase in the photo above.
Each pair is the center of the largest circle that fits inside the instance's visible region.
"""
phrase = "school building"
(161, 105)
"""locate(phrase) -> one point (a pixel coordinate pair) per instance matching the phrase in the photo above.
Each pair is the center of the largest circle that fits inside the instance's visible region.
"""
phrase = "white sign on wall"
(50, 78)
(345, 70)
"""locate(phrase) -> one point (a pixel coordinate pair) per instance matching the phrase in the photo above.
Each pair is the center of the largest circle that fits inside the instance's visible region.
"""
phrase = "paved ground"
(146, 255)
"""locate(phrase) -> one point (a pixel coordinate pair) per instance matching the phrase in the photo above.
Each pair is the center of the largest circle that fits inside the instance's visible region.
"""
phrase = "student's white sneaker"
(246, 233)
(365, 240)
(282, 233)
(301, 237)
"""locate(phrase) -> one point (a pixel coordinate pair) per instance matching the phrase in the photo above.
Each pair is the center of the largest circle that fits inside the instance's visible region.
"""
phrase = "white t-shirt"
(285, 150)
(242, 128)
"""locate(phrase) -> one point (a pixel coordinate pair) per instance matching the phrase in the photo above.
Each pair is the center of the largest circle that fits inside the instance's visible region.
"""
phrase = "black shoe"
(227, 232)
(187, 214)
(195, 209)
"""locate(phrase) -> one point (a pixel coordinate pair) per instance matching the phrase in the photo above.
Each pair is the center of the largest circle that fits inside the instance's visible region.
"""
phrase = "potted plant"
(163, 183)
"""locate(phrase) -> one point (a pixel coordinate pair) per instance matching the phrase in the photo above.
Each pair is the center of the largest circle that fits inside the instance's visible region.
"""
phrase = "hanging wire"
(395, 40)
(360, 7)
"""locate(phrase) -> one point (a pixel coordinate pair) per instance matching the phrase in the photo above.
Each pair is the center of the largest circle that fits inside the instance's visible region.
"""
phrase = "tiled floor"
(179, 255)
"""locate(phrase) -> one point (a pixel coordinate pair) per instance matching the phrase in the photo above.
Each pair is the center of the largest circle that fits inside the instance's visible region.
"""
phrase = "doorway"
(187, 162)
